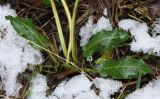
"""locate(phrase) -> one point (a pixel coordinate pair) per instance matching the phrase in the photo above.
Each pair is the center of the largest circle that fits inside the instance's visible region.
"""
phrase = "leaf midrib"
(95, 43)
(31, 32)
(123, 67)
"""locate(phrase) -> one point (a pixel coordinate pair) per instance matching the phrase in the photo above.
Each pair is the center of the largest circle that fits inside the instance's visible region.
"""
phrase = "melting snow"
(68, 89)
(78, 87)
(38, 87)
(142, 41)
(156, 26)
(107, 87)
(150, 91)
(15, 53)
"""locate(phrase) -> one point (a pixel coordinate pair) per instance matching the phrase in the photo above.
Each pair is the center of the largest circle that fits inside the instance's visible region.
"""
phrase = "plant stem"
(71, 20)
(60, 33)
(81, 70)
(53, 59)
(72, 40)
(70, 26)
(67, 11)
(88, 70)
(139, 81)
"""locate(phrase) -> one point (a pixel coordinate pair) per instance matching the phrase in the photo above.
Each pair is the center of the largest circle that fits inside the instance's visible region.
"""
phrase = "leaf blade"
(125, 68)
(28, 30)
(104, 40)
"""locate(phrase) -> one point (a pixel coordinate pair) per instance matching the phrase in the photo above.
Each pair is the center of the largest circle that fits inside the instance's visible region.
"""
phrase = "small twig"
(135, 18)
(60, 58)
(83, 18)
(124, 87)
(47, 22)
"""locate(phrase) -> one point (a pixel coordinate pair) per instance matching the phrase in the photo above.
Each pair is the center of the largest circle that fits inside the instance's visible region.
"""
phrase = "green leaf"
(125, 68)
(46, 2)
(104, 40)
(28, 30)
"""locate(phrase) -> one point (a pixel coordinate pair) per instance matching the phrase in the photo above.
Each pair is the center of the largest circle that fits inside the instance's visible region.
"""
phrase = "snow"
(88, 94)
(68, 89)
(15, 53)
(150, 91)
(107, 86)
(86, 31)
(156, 26)
(38, 87)
(91, 28)
(78, 87)
(103, 23)
(142, 41)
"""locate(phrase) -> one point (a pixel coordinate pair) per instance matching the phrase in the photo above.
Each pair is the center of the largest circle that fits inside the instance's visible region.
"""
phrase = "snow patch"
(86, 31)
(78, 87)
(103, 23)
(15, 53)
(38, 87)
(68, 89)
(150, 91)
(142, 41)
(107, 87)
(156, 26)
(88, 94)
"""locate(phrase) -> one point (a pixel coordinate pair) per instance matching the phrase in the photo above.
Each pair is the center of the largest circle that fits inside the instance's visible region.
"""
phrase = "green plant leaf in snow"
(125, 68)
(104, 40)
(28, 30)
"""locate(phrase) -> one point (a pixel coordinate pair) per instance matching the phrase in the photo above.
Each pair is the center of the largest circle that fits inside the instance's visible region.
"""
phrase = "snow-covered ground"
(150, 91)
(15, 53)
(142, 41)
(78, 87)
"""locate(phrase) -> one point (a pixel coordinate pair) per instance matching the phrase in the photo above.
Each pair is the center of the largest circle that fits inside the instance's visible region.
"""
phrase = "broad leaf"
(104, 40)
(28, 30)
(125, 68)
